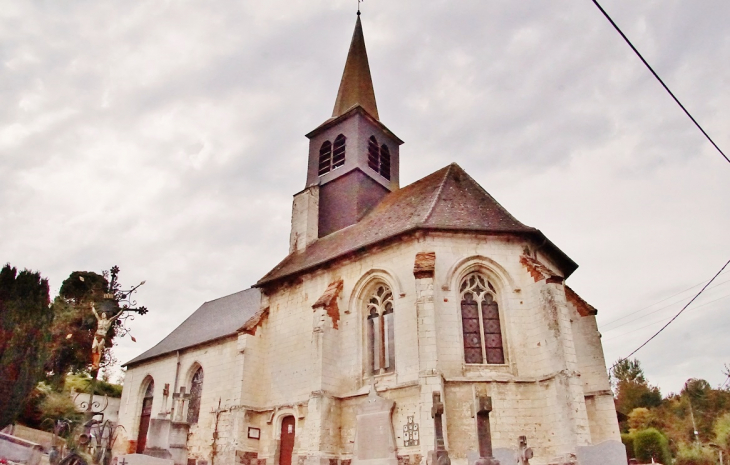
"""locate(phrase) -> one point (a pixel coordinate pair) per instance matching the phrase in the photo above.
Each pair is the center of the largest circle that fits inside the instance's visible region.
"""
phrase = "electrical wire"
(659, 79)
(675, 316)
(663, 308)
(662, 320)
(609, 323)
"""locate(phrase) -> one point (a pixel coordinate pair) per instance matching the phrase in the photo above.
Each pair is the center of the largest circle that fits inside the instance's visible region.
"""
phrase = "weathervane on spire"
(358, 6)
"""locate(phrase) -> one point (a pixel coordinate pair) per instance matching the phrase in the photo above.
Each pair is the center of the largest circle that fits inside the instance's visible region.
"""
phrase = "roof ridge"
(504, 210)
(438, 194)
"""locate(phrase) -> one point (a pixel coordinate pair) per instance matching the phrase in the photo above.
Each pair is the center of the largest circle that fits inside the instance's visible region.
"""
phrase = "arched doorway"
(144, 420)
(288, 425)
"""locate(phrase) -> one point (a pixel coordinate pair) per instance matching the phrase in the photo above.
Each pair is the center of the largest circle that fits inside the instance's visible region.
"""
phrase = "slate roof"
(448, 200)
(213, 320)
(356, 86)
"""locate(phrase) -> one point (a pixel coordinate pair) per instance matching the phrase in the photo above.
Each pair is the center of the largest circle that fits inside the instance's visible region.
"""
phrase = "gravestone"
(439, 455)
(374, 435)
(484, 434)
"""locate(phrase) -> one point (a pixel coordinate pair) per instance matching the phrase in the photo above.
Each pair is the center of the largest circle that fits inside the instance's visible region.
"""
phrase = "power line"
(662, 320)
(659, 79)
(609, 323)
(665, 307)
(675, 316)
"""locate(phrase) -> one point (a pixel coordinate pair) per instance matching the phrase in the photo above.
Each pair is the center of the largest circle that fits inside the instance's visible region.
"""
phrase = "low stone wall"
(19, 450)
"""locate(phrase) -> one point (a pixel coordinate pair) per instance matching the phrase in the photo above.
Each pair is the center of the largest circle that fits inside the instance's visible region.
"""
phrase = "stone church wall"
(309, 363)
(218, 362)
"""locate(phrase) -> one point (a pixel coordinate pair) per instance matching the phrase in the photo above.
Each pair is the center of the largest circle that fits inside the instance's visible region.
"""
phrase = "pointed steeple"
(356, 87)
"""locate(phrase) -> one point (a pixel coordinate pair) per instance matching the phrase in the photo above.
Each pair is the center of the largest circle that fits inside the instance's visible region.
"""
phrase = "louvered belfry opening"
(338, 152)
(325, 158)
(385, 162)
(373, 154)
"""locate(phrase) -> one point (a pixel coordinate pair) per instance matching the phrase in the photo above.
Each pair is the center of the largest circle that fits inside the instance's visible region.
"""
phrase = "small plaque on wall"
(254, 433)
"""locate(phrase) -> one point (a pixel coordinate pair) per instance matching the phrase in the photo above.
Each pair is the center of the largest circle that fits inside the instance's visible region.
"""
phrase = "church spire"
(356, 87)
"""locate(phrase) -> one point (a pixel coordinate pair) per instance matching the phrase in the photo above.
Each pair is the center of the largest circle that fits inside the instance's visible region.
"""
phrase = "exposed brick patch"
(262, 462)
(538, 271)
(583, 307)
(425, 265)
(247, 458)
(333, 461)
(346, 462)
(250, 326)
(132, 447)
(328, 301)
(414, 459)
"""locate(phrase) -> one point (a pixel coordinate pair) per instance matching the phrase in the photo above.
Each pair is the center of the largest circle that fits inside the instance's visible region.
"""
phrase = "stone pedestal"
(179, 442)
(158, 438)
(374, 436)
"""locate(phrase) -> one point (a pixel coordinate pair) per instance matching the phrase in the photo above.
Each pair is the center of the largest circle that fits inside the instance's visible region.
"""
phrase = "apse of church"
(408, 325)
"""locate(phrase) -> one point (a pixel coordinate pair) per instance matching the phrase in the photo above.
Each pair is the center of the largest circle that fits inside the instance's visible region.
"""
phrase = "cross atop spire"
(356, 87)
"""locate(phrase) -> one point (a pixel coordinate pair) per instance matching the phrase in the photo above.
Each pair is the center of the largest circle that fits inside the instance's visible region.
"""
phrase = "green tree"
(632, 389)
(73, 330)
(25, 322)
(651, 444)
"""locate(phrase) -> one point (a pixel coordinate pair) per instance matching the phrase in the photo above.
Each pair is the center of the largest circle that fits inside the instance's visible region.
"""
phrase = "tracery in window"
(385, 162)
(380, 331)
(338, 152)
(325, 158)
(373, 154)
(481, 327)
(196, 391)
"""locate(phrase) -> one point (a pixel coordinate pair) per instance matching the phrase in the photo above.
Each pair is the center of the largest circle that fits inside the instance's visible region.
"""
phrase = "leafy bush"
(639, 418)
(651, 444)
(695, 454)
(722, 431)
(58, 406)
(82, 383)
(628, 440)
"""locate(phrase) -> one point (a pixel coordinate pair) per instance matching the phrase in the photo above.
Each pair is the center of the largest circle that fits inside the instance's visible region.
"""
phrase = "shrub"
(695, 454)
(722, 431)
(651, 444)
(628, 440)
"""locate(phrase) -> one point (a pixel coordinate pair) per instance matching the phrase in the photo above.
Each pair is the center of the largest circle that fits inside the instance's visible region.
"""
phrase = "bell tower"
(353, 157)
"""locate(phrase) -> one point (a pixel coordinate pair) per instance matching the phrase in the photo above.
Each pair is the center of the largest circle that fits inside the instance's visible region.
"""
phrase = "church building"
(403, 321)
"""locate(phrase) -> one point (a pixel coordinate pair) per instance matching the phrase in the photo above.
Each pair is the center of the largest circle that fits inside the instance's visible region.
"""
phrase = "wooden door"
(287, 440)
(144, 424)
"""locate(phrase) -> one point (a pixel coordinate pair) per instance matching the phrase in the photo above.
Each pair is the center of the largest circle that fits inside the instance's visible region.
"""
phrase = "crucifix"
(440, 452)
(179, 399)
(484, 434)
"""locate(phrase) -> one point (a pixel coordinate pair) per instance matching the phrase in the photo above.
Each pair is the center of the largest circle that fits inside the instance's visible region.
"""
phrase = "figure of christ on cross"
(103, 323)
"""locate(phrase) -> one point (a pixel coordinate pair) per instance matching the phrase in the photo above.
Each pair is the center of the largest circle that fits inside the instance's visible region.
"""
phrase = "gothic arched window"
(338, 152)
(196, 390)
(373, 154)
(325, 158)
(380, 331)
(480, 321)
(385, 162)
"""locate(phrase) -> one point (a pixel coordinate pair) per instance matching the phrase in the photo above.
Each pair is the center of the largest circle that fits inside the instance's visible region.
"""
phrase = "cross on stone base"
(484, 434)
(179, 399)
(440, 452)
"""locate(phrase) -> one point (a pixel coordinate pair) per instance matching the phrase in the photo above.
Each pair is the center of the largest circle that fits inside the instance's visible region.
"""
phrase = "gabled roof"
(448, 200)
(213, 320)
(356, 87)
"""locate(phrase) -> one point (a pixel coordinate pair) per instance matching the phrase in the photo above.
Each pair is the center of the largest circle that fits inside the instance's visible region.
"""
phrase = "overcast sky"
(167, 137)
